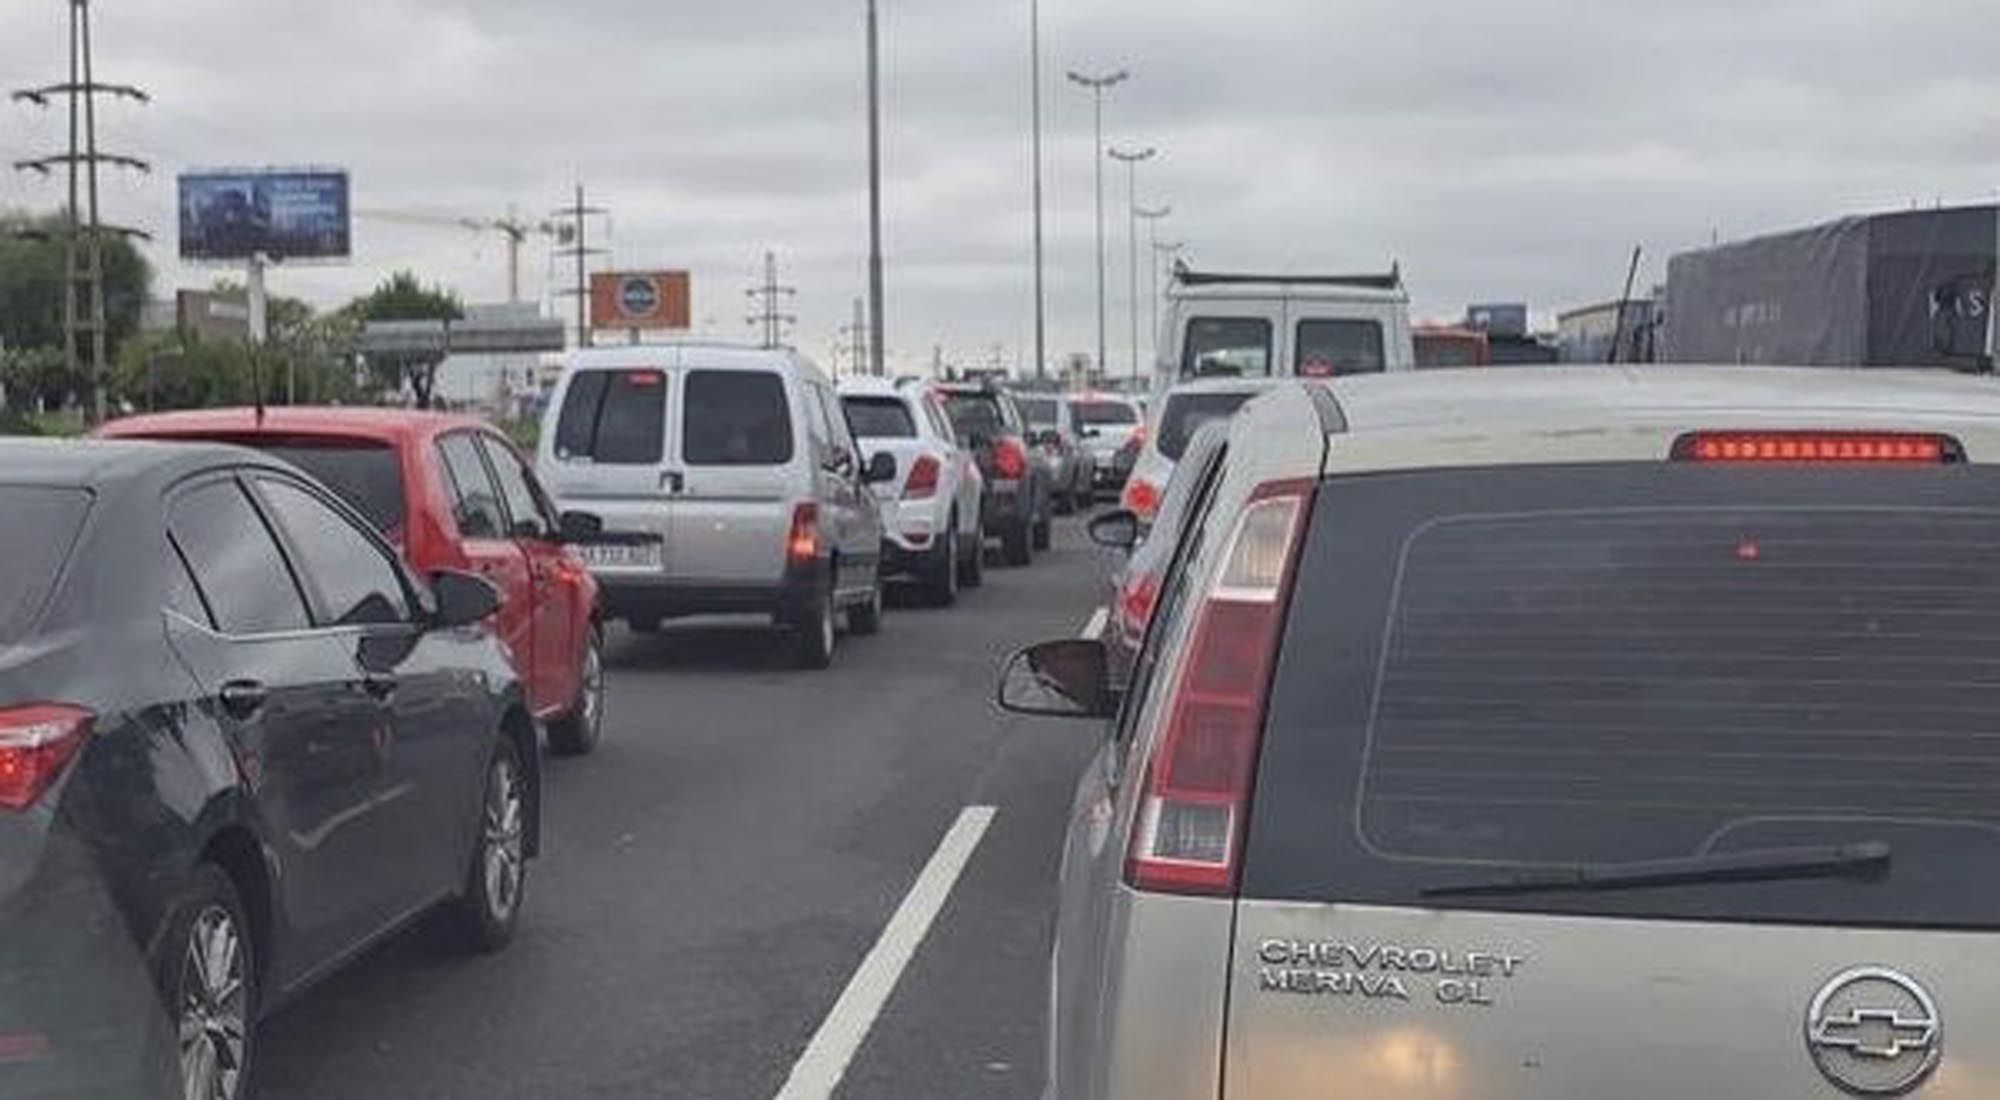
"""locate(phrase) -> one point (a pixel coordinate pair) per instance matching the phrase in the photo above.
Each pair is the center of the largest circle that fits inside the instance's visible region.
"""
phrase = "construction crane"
(517, 230)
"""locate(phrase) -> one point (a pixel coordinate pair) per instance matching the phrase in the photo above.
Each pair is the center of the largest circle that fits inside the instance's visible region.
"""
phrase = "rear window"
(1328, 348)
(364, 473)
(975, 414)
(1227, 347)
(614, 417)
(1187, 412)
(736, 418)
(880, 418)
(1498, 671)
(1040, 411)
(1105, 414)
(42, 525)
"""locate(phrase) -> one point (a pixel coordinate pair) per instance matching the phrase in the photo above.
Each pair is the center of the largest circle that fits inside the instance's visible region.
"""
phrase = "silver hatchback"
(1574, 734)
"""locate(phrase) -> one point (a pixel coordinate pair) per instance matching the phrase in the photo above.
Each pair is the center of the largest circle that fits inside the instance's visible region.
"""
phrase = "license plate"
(642, 555)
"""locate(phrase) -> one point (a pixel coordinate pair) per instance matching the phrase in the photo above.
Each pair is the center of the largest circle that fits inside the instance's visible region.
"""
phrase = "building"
(1589, 334)
(201, 315)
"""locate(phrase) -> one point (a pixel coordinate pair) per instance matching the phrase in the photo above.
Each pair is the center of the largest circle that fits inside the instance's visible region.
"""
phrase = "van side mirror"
(579, 527)
(1117, 529)
(881, 469)
(1065, 678)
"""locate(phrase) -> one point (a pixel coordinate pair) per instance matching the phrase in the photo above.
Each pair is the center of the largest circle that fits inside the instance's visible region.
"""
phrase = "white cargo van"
(1282, 326)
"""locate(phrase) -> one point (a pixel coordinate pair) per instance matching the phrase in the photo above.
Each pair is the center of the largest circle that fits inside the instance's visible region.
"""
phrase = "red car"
(452, 493)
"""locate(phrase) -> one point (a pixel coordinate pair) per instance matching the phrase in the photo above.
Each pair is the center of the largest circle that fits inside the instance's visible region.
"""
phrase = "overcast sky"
(1500, 149)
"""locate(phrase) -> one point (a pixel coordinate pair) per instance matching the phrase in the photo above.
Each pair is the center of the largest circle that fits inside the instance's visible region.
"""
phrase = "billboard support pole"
(253, 284)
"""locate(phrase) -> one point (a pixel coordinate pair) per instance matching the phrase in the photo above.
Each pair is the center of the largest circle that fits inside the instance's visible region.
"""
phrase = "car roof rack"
(1389, 280)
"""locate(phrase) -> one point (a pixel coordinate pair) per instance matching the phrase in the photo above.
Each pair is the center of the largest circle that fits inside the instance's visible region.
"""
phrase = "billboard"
(287, 214)
(640, 300)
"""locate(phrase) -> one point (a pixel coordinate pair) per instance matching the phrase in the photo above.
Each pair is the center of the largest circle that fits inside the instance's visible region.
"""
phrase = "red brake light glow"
(1142, 498)
(802, 546)
(1198, 781)
(922, 483)
(1010, 460)
(1868, 448)
(645, 378)
(35, 742)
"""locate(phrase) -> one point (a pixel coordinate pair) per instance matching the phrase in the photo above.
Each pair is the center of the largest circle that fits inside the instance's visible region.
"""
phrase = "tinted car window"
(1039, 411)
(1337, 347)
(975, 414)
(615, 417)
(41, 526)
(1099, 414)
(475, 499)
(526, 508)
(237, 565)
(1227, 347)
(880, 418)
(1493, 671)
(736, 418)
(348, 573)
(365, 473)
(1187, 412)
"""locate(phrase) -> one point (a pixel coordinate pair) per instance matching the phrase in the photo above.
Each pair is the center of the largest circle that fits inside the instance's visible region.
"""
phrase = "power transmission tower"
(83, 238)
(856, 335)
(577, 233)
(769, 300)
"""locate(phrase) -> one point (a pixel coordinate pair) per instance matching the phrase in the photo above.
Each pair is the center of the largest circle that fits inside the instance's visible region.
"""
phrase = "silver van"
(728, 483)
(1563, 735)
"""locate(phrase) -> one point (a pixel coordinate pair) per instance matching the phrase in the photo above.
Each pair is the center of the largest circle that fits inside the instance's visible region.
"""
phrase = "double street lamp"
(1098, 85)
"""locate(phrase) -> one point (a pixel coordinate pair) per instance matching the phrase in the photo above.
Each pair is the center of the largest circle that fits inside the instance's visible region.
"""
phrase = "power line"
(83, 251)
(769, 301)
(578, 216)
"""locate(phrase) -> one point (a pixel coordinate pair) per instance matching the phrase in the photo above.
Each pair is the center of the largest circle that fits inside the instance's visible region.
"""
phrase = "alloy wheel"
(214, 1009)
(502, 839)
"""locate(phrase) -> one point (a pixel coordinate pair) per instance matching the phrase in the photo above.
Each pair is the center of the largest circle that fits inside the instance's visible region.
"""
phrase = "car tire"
(865, 618)
(578, 732)
(972, 568)
(943, 572)
(212, 1017)
(484, 916)
(812, 638)
(1065, 504)
(1016, 546)
(1044, 532)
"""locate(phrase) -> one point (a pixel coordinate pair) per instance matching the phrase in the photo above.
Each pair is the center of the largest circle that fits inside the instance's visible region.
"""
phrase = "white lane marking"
(1094, 629)
(819, 1070)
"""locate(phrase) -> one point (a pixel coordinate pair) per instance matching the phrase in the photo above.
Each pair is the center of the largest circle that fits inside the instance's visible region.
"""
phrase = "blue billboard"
(285, 214)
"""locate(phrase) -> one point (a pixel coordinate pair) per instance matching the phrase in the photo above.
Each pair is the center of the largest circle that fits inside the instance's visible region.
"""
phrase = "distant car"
(239, 744)
(1018, 501)
(1184, 410)
(931, 529)
(1109, 423)
(452, 493)
(1055, 430)
(1550, 735)
(728, 483)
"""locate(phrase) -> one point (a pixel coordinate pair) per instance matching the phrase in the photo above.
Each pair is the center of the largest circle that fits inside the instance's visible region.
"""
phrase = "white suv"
(930, 510)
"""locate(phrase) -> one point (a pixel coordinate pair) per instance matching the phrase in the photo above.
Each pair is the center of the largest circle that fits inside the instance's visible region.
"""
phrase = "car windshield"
(880, 418)
(1106, 414)
(42, 524)
(1187, 412)
(1039, 411)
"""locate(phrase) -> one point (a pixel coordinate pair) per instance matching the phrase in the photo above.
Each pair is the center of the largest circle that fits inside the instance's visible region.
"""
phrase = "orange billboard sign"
(640, 300)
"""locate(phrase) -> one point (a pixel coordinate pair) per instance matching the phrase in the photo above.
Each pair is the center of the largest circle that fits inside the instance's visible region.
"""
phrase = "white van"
(1281, 326)
(736, 470)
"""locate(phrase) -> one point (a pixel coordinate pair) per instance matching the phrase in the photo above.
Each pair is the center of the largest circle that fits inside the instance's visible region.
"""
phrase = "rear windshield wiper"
(1860, 860)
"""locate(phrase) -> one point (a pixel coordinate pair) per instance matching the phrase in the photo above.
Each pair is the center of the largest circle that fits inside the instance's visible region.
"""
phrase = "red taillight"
(35, 742)
(1010, 460)
(923, 480)
(1142, 498)
(1904, 448)
(1135, 603)
(1191, 814)
(802, 545)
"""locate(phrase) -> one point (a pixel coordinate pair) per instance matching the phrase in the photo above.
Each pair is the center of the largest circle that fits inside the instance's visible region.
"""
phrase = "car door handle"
(673, 481)
(243, 698)
(379, 685)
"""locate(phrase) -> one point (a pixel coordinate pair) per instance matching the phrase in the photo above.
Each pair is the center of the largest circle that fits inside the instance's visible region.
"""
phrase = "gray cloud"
(1499, 150)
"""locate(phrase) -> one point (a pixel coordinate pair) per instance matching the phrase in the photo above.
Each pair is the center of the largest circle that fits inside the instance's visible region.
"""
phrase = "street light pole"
(1132, 158)
(1153, 217)
(1098, 85)
(1041, 298)
(875, 326)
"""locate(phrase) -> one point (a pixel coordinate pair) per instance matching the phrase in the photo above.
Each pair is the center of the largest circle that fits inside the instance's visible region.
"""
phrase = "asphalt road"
(714, 875)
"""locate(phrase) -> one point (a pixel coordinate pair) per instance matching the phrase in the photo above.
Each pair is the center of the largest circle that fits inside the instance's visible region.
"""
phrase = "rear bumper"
(1006, 505)
(635, 599)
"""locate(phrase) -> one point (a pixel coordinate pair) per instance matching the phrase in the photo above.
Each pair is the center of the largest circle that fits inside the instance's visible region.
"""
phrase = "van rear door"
(1630, 780)
(609, 455)
(740, 450)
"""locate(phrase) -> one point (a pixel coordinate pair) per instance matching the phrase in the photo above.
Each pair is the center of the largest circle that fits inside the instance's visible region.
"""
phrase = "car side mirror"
(1066, 678)
(577, 527)
(461, 599)
(1117, 529)
(881, 469)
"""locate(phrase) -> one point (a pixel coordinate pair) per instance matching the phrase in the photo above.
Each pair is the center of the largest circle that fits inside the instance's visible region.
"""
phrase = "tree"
(31, 292)
(402, 297)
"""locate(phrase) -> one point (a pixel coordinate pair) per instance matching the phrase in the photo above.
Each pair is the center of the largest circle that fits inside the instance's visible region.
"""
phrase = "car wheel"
(812, 639)
(490, 907)
(1065, 504)
(865, 618)
(578, 732)
(208, 982)
(1044, 532)
(972, 569)
(941, 573)
(1015, 545)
